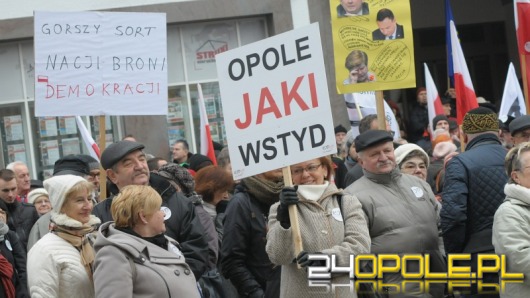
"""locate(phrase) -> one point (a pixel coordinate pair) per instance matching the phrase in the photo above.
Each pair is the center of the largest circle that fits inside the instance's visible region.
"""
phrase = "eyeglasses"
(309, 169)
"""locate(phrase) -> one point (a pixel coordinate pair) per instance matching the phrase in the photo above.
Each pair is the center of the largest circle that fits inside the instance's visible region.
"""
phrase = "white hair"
(12, 165)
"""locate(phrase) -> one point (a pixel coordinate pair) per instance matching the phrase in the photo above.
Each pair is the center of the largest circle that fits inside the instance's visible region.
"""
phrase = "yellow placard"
(373, 45)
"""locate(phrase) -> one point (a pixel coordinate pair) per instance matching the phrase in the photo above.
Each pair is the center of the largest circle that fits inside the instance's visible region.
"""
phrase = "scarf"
(312, 192)
(6, 274)
(77, 237)
(4, 228)
(265, 191)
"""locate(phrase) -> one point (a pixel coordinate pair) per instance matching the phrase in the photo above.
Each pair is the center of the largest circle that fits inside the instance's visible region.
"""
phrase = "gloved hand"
(257, 293)
(288, 196)
(303, 260)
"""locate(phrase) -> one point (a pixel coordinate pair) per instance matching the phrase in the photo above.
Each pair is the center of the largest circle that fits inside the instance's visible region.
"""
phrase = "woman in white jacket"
(511, 225)
(60, 263)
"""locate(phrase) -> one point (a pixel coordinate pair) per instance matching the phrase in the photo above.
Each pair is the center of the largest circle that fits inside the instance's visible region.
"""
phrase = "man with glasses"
(400, 209)
(474, 189)
(520, 129)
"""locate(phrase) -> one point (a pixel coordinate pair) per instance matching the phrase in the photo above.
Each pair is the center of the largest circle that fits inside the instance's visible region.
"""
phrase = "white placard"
(100, 63)
(276, 102)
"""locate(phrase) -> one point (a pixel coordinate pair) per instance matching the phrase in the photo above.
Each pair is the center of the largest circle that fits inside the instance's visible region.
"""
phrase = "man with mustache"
(400, 210)
(125, 164)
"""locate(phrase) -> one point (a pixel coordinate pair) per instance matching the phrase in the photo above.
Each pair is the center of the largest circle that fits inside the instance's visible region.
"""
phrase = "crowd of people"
(184, 228)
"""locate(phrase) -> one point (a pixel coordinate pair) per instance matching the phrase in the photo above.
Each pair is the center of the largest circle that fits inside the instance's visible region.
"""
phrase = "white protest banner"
(367, 103)
(100, 63)
(276, 102)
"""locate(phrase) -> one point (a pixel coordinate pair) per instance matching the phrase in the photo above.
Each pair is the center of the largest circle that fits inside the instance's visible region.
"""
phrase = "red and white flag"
(93, 148)
(434, 103)
(465, 93)
(522, 27)
(206, 136)
(512, 103)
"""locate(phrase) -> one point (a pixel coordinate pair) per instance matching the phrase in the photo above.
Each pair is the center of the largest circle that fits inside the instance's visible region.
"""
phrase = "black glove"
(303, 260)
(288, 196)
(257, 293)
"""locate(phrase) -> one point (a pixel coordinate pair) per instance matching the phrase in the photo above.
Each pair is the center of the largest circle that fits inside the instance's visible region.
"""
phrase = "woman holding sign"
(330, 223)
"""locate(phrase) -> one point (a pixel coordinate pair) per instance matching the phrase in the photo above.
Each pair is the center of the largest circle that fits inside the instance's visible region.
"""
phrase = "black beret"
(371, 138)
(71, 165)
(116, 151)
(519, 124)
(199, 161)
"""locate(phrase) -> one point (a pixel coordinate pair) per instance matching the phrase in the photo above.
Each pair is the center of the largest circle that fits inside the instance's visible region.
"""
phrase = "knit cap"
(58, 187)
(442, 149)
(36, 193)
(480, 120)
(404, 150)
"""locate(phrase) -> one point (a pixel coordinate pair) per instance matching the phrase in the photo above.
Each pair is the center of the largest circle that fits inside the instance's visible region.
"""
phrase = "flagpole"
(102, 145)
(522, 58)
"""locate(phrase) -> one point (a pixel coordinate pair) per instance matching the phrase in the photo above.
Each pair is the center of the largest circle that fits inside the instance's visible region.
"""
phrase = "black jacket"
(418, 122)
(182, 225)
(20, 218)
(11, 248)
(472, 192)
(243, 257)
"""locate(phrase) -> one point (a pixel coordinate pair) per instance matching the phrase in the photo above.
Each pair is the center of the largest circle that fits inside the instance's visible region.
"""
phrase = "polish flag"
(512, 103)
(434, 104)
(206, 137)
(522, 27)
(87, 138)
(465, 94)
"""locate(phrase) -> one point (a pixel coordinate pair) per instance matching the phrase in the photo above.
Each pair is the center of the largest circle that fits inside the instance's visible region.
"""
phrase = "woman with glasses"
(40, 199)
(511, 224)
(331, 223)
(413, 160)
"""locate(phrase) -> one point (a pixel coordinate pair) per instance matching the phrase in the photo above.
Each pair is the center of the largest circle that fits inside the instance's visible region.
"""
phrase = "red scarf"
(6, 274)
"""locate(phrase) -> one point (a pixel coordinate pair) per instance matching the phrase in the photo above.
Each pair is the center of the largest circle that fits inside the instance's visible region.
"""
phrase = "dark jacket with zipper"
(182, 225)
(243, 257)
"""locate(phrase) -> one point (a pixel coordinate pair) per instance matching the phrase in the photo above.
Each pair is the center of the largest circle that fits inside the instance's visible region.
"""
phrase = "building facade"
(196, 30)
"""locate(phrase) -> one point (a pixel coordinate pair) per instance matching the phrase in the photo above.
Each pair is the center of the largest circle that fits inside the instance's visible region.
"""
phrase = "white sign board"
(100, 63)
(276, 102)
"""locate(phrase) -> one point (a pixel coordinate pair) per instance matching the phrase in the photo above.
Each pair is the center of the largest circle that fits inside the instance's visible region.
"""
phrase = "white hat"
(403, 150)
(58, 187)
(35, 194)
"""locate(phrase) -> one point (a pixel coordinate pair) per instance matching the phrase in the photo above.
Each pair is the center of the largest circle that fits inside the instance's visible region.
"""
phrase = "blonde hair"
(132, 199)
(80, 186)
(512, 161)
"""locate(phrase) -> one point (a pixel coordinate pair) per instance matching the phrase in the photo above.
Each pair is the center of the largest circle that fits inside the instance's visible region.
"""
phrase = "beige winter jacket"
(323, 230)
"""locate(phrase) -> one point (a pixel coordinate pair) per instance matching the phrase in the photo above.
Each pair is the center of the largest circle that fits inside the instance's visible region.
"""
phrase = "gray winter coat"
(128, 266)
(402, 218)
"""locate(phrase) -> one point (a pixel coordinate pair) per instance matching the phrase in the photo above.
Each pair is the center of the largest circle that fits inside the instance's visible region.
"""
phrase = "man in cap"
(520, 129)
(400, 209)
(125, 164)
(504, 132)
(21, 216)
(474, 188)
(77, 165)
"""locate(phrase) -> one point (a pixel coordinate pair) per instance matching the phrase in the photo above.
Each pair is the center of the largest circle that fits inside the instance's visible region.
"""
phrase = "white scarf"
(312, 192)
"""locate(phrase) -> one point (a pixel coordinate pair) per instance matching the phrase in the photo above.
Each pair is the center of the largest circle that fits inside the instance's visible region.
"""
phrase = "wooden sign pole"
(293, 215)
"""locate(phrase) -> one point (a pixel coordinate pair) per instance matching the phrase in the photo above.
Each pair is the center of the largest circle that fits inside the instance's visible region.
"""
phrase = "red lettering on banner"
(60, 91)
(267, 104)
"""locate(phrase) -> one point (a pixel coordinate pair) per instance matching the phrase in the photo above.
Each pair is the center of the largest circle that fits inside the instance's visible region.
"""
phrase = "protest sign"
(100, 63)
(276, 102)
(373, 45)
